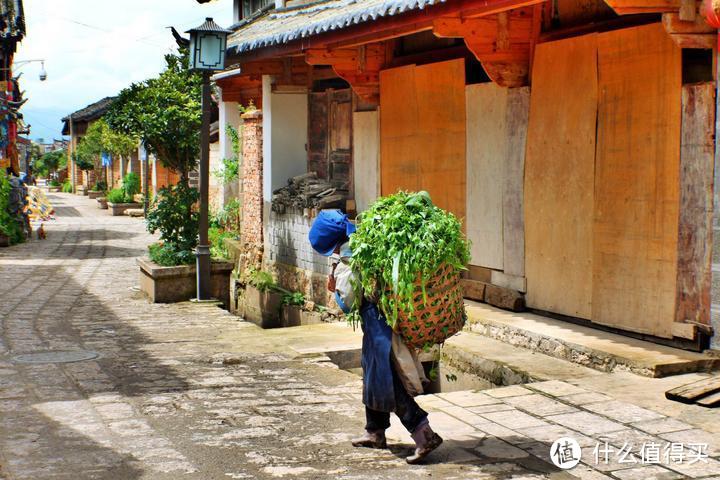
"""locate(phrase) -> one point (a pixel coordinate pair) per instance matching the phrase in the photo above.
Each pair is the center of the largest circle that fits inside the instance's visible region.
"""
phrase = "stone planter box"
(295, 316)
(118, 209)
(260, 308)
(92, 195)
(53, 189)
(4, 240)
(102, 203)
(178, 284)
(81, 190)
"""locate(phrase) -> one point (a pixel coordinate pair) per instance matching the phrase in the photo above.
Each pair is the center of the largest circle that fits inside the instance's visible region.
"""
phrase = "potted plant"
(98, 190)
(54, 186)
(261, 302)
(121, 199)
(169, 274)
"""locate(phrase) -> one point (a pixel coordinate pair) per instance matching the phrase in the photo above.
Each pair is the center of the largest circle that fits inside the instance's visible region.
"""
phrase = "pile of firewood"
(307, 191)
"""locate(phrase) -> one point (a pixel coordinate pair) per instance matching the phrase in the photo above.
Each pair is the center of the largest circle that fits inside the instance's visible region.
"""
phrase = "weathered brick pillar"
(252, 180)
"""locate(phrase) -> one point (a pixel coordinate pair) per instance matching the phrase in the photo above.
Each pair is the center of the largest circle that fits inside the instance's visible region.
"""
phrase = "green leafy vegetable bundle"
(402, 244)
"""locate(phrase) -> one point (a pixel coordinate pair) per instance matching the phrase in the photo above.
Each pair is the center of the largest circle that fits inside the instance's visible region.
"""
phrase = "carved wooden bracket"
(501, 42)
(359, 66)
(690, 34)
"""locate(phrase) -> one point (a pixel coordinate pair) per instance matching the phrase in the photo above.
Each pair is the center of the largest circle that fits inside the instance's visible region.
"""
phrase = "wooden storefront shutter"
(559, 169)
(637, 180)
(422, 131)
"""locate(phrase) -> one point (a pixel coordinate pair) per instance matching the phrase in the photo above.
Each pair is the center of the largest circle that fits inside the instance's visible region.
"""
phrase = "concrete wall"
(285, 136)
(366, 158)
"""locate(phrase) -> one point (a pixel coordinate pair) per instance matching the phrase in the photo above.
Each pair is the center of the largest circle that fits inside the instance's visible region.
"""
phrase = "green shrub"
(116, 195)
(99, 186)
(294, 298)
(261, 280)
(84, 162)
(67, 187)
(54, 183)
(9, 224)
(174, 216)
(131, 185)
(168, 255)
(229, 217)
(217, 238)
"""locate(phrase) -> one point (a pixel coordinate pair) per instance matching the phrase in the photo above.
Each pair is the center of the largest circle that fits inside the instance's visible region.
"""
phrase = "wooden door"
(422, 132)
(559, 170)
(637, 180)
(330, 136)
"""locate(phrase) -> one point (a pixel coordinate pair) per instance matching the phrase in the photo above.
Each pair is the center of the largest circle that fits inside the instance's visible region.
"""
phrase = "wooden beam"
(385, 28)
(689, 34)
(628, 7)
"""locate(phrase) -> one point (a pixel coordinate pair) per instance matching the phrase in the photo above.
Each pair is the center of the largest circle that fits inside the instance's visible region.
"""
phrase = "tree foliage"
(100, 138)
(165, 113)
(50, 162)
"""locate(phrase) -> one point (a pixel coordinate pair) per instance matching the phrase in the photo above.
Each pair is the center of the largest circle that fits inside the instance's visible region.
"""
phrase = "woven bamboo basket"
(442, 316)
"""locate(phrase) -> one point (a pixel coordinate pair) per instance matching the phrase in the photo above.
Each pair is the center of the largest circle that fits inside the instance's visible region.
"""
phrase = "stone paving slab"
(189, 391)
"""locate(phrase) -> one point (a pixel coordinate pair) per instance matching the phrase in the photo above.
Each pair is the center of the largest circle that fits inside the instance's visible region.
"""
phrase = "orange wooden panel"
(399, 168)
(637, 180)
(422, 112)
(559, 177)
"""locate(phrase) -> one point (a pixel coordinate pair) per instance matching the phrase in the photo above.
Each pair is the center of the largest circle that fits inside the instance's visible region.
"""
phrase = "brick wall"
(296, 267)
(252, 225)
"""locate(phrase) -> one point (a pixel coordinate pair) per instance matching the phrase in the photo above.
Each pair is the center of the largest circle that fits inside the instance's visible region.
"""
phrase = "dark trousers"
(406, 408)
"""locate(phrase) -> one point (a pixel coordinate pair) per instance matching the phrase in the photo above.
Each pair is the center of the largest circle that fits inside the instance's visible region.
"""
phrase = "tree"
(165, 113)
(50, 162)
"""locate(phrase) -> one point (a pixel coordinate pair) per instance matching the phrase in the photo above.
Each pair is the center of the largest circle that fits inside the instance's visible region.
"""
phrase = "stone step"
(500, 364)
(586, 346)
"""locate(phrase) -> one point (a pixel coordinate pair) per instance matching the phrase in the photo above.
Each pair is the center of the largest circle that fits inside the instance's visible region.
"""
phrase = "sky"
(95, 48)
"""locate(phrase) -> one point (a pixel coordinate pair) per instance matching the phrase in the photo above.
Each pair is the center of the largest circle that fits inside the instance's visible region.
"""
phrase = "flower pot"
(118, 209)
(178, 284)
(295, 316)
(260, 308)
(4, 240)
(93, 195)
(102, 203)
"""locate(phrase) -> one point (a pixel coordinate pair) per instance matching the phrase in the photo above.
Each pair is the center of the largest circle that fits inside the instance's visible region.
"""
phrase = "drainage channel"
(450, 377)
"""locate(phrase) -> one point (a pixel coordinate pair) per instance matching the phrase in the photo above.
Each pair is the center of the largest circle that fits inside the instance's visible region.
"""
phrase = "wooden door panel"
(637, 180)
(318, 133)
(559, 172)
(422, 145)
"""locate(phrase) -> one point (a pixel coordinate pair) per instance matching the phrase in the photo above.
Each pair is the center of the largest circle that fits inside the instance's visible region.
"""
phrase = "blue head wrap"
(330, 229)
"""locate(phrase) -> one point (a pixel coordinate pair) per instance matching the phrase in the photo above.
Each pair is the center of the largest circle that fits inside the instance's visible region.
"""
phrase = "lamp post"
(207, 54)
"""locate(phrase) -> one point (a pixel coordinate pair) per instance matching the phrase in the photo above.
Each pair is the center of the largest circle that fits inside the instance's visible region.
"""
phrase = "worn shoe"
(425, 442)
(371, 440)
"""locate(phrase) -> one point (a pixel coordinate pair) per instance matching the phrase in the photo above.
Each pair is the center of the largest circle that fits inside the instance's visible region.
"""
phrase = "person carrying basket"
(392, 373)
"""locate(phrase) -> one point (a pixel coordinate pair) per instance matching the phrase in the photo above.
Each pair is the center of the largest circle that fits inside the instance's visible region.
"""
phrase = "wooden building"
(574, 137)
(12, 32)
(76, 125)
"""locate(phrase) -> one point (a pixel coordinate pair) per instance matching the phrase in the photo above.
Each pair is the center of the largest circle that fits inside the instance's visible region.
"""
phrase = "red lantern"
(710, 9)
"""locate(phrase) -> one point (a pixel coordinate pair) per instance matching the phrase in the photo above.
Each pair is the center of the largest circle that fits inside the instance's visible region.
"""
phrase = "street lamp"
(207, 54)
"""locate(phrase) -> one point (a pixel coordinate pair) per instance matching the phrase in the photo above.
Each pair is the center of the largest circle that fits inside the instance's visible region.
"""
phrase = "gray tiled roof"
(282, 26)
(89, 113)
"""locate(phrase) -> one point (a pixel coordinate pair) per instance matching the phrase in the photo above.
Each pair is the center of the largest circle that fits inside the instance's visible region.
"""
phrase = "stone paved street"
(189, 391)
